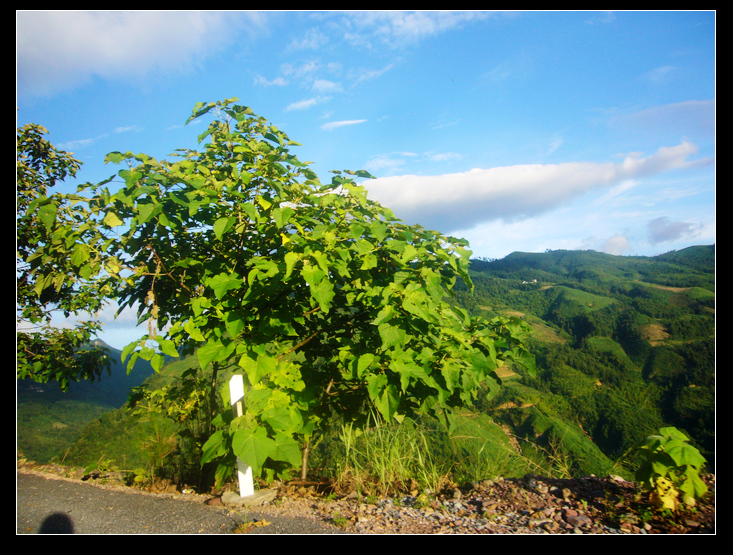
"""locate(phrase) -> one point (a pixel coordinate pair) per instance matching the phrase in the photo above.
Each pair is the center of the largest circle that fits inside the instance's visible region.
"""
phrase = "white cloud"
(660, 74)
(555, 143)
(664, 230)
(60, 50)
(71, 146)
(601, 17)
(307, 103)
(616, 192)
(361, 75)
(125, 129)
(301, 71)
(689, 118)
(313, 39)
(278, 81)
(336, 124)
(397, 28)
(302, 104)
(463, 200)
(497, 239)
(325, 86)
(443, 156)
(618, 245)
(384, 164)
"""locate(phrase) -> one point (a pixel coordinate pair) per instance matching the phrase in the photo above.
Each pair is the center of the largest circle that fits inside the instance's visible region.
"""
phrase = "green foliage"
(335, 311)
(386, 459)
(46, 430)
(422, 456)
(671, 467)
(61, 281)
(479, 448)
(327, 302)
(551, 427)
(641, 357)
(113, 436)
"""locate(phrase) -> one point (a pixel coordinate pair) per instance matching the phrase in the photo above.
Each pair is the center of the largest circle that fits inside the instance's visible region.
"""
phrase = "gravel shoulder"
(49, 501)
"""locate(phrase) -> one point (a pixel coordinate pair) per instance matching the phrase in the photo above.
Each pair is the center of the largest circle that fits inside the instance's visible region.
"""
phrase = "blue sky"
(519, 131)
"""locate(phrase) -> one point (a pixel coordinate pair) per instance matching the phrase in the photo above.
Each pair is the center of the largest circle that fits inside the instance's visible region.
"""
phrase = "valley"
(624, 345)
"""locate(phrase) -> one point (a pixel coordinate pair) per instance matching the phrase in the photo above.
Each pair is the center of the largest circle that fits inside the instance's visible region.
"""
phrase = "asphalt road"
(52, 506)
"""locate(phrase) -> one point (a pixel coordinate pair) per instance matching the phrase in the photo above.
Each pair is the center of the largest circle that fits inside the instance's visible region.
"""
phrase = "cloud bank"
(463, 200)
(60, 50)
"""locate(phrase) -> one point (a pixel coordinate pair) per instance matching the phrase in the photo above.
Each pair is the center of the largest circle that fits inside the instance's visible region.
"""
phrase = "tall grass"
(386, 459)
(391, 459)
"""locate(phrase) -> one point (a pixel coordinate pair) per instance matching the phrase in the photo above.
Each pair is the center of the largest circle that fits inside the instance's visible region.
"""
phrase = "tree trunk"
(212, 397)
(304, 461)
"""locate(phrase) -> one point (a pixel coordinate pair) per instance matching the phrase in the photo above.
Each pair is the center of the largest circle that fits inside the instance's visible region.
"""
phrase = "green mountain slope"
(49, 421)
(624, 346)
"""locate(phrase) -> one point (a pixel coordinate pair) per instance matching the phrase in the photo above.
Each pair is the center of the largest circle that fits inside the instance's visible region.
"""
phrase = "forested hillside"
(49, 420)
(624, 346)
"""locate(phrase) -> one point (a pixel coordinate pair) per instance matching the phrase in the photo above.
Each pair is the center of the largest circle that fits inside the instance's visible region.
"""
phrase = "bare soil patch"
(654, 334)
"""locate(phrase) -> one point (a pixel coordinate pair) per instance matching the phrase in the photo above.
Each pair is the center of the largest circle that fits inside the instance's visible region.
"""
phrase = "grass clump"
(421, 456)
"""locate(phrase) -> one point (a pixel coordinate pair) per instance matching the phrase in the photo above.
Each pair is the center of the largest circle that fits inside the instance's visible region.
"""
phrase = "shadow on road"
(57, 523)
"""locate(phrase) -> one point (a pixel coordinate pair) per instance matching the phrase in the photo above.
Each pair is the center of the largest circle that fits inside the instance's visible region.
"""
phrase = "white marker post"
(244, 472)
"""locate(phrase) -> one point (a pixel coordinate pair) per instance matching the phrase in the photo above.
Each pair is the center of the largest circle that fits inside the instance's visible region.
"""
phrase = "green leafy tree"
(328, 303)
(52, 268)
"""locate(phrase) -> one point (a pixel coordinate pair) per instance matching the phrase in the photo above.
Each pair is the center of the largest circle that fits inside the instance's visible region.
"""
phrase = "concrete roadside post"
(244, 472)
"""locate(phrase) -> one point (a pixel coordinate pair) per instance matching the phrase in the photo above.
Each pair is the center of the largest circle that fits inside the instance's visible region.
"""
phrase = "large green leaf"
(284, 419)
(286, 450)
(149, 211)
(80, 254)
(312, 274)
(167, 347)
(323, 293)
(258, 365)
(282, 215)
(364, 363)
(222, 225)
(157, 361)
(130, 177)
(214, 351)
(47, 215)
(216, 446)
(384, 395)
(392, 336)
(112, 220)
(223, 282)
(194, 333)
(235, 322)
(253, 447)
(410, 372)
(291, 259)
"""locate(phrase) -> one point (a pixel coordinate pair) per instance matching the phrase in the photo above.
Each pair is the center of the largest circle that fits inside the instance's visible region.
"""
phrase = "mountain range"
(624, 345)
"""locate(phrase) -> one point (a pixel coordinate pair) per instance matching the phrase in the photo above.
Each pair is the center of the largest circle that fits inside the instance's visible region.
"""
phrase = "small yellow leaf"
(666, 494)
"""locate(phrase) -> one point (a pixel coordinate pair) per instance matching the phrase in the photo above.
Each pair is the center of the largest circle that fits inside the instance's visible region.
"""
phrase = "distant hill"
(693, 266)
(50, 420)
(111, 390)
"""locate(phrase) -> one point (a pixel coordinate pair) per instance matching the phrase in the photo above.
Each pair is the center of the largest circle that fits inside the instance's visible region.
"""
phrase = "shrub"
(671, 467)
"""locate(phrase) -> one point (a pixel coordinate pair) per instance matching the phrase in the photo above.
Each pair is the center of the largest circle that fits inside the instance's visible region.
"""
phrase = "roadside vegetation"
(378, 358)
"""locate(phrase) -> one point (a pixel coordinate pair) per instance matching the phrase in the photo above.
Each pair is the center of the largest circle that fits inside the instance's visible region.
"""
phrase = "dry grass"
(654, 334)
